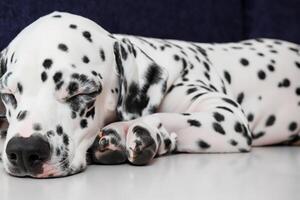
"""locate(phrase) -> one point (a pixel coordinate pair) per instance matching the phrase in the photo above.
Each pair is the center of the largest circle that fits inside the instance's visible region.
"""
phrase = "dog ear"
(142, 82)
(3, 62)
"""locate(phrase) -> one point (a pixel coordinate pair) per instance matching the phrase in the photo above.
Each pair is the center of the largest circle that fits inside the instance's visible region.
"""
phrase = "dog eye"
(84, 96)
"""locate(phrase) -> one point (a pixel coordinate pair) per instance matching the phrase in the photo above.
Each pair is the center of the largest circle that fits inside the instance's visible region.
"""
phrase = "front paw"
(108, 147)
(141, 144)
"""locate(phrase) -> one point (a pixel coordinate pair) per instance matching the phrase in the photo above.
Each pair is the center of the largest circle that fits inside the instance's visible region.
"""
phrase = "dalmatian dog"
(76, 94)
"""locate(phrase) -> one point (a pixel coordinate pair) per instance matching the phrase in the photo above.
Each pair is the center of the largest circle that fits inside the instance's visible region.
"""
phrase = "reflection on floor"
(266, 173)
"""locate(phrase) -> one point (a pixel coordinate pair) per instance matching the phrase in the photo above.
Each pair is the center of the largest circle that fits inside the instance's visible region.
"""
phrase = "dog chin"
(48, 171)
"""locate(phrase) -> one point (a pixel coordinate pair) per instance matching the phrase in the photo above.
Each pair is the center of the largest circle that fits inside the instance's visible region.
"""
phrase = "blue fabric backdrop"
(195, 20)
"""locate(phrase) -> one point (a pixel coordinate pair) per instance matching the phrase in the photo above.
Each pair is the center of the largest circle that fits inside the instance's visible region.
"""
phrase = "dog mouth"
(45, 170)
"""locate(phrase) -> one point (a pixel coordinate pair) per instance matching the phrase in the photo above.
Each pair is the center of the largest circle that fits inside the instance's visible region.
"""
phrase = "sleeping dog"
(68, 86)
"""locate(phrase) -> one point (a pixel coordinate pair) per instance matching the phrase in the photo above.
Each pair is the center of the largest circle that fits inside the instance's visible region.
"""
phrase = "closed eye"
(87, 96)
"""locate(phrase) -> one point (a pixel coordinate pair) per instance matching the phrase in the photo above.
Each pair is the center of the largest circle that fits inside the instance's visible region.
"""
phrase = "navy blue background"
(194, 20)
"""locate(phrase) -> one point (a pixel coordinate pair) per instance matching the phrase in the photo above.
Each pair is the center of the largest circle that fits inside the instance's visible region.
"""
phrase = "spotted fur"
(141, 97)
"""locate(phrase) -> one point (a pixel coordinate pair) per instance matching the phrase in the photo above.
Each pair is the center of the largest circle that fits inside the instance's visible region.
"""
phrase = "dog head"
(64, 78)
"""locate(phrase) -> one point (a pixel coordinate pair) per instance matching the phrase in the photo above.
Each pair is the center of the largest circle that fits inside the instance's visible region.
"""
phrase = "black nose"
(28, 154)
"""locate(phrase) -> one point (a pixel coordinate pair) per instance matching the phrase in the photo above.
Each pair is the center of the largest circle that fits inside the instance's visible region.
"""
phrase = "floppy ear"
(142, 82)
(3, 62)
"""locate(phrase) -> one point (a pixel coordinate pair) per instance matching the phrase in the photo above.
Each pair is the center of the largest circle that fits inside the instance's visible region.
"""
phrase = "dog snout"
(28, 154)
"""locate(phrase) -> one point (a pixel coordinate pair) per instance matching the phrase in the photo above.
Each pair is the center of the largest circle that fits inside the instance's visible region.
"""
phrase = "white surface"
(266, 173)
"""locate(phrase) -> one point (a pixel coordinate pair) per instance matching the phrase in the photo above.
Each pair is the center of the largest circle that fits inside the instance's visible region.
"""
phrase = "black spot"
(57, 152)
(21, 115)
(57, 77)
(240, 98)
(193, 122)
(85, 59)
(50, 133)
(242, 150)
(47, 63)
(93, 72)
(159, 125)
(244, 61)
(197, 96)
(63, 47)
(91, 113)
(225, 108)
(230, 102)
(271, 68)
(298, 91)
(273, 51)
(44, 76)
(20, 87)
(248, 43)
(227, 76)
(233, 142)
(261, 54)
(259, 40)
(102, 54)
(258, 135)
(293, 126)
(36, 127)
(83, 78)
(218, 128)
(270, 121)
(176, 57)
(56, 16)
(238, 127)
(123, 53)
(250, 117)
(73, 87)
(87, 35)
(58, 85)
(284, 83)
(218, 116)
(66, 139)
(261, 74)
(153, 74)
(83, 123)
(191, 90)
(186, 114)
(73, 26)
(73, 115)
(297, 64)
(59, 130)
(184, 63)
(207, 75)
(206, 65)
(296, 50)
(203, 145)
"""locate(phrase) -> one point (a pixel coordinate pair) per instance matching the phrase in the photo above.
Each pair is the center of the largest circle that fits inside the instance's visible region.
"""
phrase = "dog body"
(66, 81)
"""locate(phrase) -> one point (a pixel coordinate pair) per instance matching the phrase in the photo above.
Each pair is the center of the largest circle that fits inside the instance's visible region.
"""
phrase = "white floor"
(266, 173)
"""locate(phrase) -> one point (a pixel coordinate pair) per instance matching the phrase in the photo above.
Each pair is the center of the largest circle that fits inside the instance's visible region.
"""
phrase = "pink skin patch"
(48, 170)
(26, 129)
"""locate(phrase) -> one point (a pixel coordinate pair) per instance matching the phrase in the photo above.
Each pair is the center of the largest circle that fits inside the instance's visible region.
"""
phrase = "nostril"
(12, 157)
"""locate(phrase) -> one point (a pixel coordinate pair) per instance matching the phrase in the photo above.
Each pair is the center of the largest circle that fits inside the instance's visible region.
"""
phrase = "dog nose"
(28, 154)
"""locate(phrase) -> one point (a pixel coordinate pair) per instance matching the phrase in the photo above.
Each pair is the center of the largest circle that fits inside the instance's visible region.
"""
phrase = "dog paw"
(108, 147)
(141, 144)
